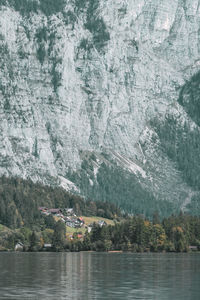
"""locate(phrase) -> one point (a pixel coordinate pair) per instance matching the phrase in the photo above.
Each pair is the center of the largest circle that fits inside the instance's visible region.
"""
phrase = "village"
(69, 217)
(76, 226)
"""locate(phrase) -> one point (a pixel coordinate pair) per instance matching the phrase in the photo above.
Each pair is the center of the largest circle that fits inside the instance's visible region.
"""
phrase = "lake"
(90, 275)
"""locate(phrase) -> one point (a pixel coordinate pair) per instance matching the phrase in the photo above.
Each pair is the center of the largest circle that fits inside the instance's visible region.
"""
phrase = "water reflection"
(99, 276)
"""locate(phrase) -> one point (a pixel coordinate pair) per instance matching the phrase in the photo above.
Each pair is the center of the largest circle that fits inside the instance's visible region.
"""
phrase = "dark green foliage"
(4, 51)
(56, 76)
(48, 127)
(137, 234)
(46, 38)
(96, 233)
(7, 104)
(114, 185)
(9, 238)
(182, 146)
(22, 54)
(51, 40)
(42, 37)
(69, 17)
(6, 63)
(49, 222)
(190, 98)
(81, 5)
(122, 11)
(35, 149)
(94, 23)
(50, 7)
(85, 44)
(156, 218)
(20, 199)
(41, 53)
(99, 31)
(59, 236)
(194, 206)
(33, 241)
(25, 7)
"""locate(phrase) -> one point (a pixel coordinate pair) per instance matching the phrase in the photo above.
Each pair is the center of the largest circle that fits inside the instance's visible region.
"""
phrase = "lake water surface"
(93, 275)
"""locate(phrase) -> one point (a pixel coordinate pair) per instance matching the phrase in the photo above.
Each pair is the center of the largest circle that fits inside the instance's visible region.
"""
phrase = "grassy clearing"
(71, 230)
(89, 220)
(4, 228)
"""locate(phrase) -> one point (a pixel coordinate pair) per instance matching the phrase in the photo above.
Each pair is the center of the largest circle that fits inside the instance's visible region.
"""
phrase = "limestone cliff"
(81, 80)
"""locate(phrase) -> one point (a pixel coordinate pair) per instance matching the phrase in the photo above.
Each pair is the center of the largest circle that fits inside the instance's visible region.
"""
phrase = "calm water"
(99, 276)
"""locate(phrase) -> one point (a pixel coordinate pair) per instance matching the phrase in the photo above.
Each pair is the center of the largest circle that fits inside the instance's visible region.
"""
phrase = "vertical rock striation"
(84, 78)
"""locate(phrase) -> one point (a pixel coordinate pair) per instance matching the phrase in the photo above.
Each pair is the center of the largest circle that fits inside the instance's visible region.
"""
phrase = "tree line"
(134, 234)
(20, 200)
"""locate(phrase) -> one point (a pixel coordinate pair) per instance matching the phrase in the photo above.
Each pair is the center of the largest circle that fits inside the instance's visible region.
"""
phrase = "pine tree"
(59, 236)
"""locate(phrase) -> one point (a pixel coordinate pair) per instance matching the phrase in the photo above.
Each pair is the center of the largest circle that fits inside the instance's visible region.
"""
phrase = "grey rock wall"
(88, 77)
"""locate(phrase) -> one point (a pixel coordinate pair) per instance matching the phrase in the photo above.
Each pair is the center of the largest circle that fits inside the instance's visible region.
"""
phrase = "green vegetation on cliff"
(115, 185)
(189, 98)
(48, 7)
(182, 146)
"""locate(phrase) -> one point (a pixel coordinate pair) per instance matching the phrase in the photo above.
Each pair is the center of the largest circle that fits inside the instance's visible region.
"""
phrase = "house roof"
(54, 210)
(47, 245)
(42, 208)
(19, 244)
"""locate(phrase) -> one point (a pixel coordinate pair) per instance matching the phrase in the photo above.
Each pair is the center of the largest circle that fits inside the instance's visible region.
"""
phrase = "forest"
(115, 185)
(181, 144)
(22, 222)
(20, 199)
(135, 234)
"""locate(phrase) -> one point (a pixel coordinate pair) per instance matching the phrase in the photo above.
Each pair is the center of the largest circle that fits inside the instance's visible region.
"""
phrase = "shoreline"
(108, 252)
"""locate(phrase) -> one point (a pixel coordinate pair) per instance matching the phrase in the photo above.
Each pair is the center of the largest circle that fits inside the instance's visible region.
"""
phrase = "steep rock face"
(80, 77)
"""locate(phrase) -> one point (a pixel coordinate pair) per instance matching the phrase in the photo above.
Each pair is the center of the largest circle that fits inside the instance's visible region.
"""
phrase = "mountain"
(102, 98)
